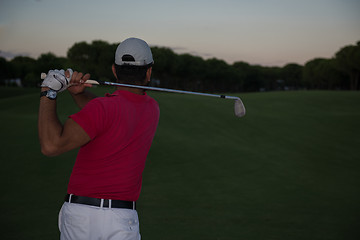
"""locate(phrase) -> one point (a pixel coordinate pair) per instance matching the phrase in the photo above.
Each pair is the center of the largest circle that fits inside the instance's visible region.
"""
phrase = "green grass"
(288, 170)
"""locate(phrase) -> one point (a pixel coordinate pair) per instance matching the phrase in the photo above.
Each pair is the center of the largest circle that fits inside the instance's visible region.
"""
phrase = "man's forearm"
(81, 99)
(49, 125)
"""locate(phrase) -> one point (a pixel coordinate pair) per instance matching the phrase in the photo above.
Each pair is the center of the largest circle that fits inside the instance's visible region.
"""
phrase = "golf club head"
(239, 108)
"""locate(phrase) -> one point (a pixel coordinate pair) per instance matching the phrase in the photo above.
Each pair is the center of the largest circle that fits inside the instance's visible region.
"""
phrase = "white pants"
(78, 221)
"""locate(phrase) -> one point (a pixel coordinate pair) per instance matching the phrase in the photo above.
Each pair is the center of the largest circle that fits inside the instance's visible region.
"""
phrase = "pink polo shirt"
(121, 126)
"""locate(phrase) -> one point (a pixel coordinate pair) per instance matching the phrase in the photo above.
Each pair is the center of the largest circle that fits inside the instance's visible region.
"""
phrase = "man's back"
(121, 127)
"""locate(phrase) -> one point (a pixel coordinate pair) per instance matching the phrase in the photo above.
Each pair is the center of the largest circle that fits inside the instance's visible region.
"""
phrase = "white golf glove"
(56, 80)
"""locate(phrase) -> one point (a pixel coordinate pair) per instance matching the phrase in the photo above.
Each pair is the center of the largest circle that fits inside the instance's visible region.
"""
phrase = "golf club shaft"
(161, 89)
(239, 106)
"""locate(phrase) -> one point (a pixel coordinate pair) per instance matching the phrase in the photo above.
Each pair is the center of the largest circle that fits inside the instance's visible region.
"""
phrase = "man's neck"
(133, 90)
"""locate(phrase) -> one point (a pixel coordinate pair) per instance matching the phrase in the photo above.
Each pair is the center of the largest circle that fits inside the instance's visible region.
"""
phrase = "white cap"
(133, 51)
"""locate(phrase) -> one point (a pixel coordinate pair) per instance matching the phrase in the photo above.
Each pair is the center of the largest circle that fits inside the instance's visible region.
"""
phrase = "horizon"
(9, 56)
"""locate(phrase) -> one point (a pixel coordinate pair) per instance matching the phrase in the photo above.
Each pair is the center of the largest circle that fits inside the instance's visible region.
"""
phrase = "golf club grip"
(43, 76)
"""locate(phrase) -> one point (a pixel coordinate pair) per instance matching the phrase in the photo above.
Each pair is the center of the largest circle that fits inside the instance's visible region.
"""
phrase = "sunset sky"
(265, 32)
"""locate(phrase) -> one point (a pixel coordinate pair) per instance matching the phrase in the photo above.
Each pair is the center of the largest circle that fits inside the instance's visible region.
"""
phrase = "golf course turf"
(288, 170)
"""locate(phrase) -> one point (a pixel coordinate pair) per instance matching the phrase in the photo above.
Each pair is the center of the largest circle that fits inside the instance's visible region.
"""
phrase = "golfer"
(114, 134)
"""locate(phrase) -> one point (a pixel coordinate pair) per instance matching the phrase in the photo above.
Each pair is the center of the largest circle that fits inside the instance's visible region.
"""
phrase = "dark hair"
(130, 74)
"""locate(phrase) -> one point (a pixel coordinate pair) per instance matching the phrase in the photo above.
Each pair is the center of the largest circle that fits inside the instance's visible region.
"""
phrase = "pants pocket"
(75, 223)
(126, 220)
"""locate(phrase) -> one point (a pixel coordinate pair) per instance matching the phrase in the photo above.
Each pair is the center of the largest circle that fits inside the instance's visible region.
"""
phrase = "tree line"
(188, 72)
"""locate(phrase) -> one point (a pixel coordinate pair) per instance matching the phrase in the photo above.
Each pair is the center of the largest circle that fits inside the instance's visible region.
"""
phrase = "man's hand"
(56, 80)
(77, 82)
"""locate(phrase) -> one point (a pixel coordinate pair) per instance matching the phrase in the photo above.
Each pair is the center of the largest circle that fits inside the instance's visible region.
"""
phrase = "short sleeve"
(90, 118)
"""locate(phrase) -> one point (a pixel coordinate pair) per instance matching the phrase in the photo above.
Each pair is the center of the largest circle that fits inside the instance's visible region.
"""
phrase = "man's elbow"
(49, 151)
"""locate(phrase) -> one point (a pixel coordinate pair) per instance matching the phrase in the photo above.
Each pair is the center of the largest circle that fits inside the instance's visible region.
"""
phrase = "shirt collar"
(128, 95)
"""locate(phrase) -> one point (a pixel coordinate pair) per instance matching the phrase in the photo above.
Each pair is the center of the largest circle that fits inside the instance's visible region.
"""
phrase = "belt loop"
(109, 203)
(133, 205)
(101, 203)
(70, 198)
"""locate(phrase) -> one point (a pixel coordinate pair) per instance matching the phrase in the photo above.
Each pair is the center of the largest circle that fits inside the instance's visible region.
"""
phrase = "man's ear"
(148, 74)
(114, 70)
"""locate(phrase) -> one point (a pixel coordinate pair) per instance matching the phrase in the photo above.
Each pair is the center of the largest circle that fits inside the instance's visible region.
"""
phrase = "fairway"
(288, 170)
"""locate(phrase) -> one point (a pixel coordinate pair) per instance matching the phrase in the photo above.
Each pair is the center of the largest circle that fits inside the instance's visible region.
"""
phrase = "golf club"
(239, 107)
